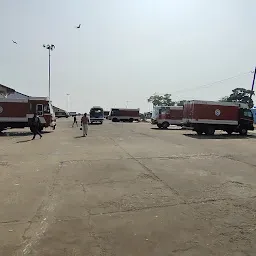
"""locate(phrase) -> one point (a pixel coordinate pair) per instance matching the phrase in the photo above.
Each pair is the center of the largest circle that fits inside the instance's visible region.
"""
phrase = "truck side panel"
(215, 112)
(14, 110)
(130, 113)
(211, 114)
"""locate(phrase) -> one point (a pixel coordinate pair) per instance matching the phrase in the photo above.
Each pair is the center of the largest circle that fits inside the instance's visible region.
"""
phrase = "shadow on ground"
(78, 137)
(220, 136)
(169, 129)
(20, 134)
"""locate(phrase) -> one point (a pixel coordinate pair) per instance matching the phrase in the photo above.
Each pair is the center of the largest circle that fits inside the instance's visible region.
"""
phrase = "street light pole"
(49, 47)
(68, 102)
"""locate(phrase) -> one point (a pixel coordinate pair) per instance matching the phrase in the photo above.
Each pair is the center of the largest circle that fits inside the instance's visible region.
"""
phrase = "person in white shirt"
(84, 124)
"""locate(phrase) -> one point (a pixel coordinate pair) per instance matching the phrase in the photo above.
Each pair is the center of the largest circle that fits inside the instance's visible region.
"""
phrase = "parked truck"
(124, 115)
(164, 116)
(18, 113)
(208, 116)
(96, 115)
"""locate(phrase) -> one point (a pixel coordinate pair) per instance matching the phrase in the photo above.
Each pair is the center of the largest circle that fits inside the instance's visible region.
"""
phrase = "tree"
(240, 95)
(161, 100)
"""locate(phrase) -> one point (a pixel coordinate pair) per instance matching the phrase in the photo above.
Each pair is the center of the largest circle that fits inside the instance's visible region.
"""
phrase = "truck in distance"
(124, 114)
(164, 116)
(18, 113)
(96, 115)
(208, 116)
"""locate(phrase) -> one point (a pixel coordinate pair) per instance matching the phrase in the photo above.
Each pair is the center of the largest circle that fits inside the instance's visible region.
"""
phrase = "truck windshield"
(114, 112)
(47, 109)
(96, 112)
(155, 112)
(247, 113)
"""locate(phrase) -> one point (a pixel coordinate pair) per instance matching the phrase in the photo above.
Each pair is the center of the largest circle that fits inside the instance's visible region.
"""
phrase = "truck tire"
(210, 130)
(229, 131)
(159, 126)
(243, 132)
(131, 120)
(114, 120)
(199, 132)
(165, 125)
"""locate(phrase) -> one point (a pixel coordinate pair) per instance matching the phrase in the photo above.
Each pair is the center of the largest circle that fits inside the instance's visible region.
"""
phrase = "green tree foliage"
(240, 95)
(161, 100)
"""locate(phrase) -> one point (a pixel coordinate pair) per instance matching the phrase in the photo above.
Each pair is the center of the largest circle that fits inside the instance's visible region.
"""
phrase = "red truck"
(124, 115)
(208, 116)
(164, 116)
(17, 113)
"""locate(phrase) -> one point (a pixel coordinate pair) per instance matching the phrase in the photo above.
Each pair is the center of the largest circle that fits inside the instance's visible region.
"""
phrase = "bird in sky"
(78, 26)
(14, 42)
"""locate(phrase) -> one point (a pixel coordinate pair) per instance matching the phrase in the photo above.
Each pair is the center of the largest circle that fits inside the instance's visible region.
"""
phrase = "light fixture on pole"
(49, 47)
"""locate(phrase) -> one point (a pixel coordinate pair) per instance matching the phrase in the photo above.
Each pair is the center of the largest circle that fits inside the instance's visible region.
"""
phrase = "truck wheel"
(131, 120)
(229, 132)
(114, 120)
(165, 125)
(159, 126)
(243, 132)
(210, 130)
(199, 132)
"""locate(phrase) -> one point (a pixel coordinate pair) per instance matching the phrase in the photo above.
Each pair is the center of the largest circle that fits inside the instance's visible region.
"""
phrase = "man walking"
(84, 124)
(35, 126)
(74, 122)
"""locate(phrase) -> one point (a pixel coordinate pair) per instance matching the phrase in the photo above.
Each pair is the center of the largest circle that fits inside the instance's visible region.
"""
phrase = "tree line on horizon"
(241, 95)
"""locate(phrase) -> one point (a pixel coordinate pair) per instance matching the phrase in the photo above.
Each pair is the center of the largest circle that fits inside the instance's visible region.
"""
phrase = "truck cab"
(245, 120)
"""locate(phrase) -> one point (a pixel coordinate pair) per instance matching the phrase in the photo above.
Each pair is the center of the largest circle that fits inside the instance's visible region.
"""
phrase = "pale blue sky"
(126, 50)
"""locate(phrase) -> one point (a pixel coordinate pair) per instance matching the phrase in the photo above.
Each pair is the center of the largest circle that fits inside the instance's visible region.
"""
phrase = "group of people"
(84, 124)
(36, 124)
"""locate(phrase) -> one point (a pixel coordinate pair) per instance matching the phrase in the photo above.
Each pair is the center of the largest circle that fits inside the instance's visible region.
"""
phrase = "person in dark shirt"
(75, 121)
(35, 126)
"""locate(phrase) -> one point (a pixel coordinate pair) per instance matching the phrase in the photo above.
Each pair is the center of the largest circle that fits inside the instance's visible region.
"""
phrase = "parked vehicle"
(124, 115)
(96, 115)
(18, 113)
(106, 114)
(208, 116)
(164, 116)
(60, 114)
(72, 114)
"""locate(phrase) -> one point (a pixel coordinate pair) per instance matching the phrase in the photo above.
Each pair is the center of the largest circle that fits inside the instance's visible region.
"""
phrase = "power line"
(212, 83)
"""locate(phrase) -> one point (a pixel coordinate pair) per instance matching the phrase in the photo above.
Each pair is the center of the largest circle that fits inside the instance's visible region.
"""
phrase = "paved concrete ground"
(127, 190)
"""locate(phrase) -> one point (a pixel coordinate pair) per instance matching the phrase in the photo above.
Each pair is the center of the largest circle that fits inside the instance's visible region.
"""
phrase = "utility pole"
(253, 81)
(49, 47)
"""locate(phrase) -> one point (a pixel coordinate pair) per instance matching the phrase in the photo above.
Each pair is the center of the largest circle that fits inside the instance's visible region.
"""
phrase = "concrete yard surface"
(127, 189)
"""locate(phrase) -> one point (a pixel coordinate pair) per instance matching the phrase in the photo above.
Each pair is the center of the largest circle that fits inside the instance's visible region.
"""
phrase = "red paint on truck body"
(197, 110)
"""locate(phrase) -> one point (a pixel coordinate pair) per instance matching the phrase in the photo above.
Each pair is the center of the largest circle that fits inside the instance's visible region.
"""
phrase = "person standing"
(84, 124)
(35, 126)
(74, 122)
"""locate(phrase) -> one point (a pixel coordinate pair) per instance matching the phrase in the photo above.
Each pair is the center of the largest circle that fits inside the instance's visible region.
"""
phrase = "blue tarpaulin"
(254, 114)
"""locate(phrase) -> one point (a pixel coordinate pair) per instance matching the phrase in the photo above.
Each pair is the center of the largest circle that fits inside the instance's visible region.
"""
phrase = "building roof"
(4, 90)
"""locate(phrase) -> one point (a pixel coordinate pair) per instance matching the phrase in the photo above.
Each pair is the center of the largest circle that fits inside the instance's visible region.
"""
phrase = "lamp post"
(49, 47)
(68, 102)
